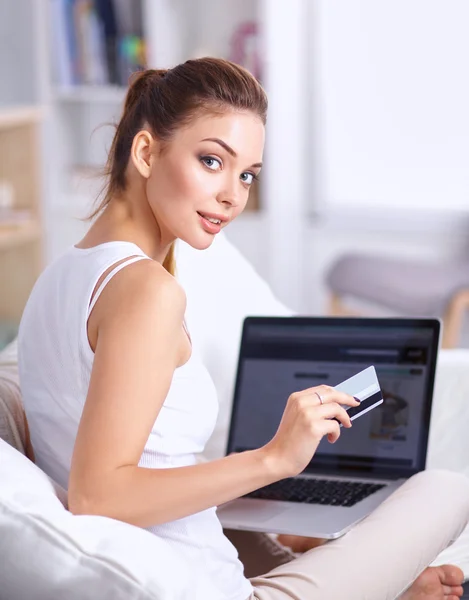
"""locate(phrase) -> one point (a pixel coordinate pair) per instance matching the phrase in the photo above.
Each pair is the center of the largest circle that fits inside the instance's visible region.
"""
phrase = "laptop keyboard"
(316, 491)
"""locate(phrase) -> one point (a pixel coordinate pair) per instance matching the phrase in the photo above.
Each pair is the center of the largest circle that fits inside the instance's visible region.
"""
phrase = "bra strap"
(110, 275)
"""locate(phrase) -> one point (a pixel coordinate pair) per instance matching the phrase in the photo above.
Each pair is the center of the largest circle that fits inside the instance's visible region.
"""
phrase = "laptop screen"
(281, 355)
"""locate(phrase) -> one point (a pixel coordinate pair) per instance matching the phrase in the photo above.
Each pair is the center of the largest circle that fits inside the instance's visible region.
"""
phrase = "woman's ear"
(143, 146)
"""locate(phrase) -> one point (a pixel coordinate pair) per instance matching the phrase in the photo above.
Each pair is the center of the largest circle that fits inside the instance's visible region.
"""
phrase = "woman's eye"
(247, 178)
(212, 163)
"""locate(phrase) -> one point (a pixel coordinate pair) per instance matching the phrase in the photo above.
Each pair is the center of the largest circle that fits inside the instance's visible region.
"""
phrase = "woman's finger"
(331, 396)
(332, 430)
(331, 411)
(340, 398)
(322, 389)
(322, 394)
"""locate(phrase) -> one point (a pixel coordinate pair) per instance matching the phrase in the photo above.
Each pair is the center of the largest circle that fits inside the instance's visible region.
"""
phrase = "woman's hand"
(309, 415)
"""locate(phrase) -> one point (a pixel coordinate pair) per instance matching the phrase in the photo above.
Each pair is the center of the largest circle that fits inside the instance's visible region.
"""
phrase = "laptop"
(344, 481)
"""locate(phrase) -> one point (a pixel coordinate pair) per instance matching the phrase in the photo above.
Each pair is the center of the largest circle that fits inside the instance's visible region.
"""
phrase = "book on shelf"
(96, 42)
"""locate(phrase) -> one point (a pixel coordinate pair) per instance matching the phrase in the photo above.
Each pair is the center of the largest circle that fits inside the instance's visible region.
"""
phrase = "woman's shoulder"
(153, 279)
(145, 285)
(141, 298)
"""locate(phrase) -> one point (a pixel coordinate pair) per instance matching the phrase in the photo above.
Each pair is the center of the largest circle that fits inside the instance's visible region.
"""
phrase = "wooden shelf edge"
(15, 116)
(11, 236)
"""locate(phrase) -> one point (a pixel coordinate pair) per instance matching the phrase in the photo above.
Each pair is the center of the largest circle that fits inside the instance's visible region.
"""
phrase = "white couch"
(46, 553)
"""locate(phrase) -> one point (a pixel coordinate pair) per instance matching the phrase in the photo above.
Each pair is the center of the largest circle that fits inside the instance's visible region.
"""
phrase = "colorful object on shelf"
(97, 42)
(244, 47)
(132, 55)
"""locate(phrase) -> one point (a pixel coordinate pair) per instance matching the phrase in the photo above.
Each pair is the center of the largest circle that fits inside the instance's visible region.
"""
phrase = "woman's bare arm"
(140, 316)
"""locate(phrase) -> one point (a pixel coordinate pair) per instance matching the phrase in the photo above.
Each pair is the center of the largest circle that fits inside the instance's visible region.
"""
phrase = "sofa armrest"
(449, 443)
(13, 427)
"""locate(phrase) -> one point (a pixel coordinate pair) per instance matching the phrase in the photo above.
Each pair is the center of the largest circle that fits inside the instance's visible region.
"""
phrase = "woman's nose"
(229, 196)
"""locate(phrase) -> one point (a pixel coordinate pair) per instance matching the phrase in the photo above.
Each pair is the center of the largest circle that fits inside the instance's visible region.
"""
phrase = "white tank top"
(55, 362)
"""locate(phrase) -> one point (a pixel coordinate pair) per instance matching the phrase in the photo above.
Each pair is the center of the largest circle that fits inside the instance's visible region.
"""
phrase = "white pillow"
(46, 553)
(222, 288)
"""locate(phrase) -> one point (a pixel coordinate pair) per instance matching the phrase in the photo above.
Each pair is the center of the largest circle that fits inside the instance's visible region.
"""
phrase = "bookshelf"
(12, 236)
(74, 137)
(21, 230)
(172, 31)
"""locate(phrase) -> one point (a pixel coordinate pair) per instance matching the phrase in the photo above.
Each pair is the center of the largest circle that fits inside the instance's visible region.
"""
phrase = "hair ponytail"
(169, 262)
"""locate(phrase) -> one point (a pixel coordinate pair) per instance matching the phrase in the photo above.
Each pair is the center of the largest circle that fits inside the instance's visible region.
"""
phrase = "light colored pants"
(377, 560)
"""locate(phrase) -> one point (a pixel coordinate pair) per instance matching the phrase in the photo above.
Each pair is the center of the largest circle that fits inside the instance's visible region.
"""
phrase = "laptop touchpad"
(268, 512)
(253, 513)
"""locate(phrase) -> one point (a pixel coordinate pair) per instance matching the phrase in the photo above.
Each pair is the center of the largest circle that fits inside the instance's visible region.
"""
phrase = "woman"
(117, 399)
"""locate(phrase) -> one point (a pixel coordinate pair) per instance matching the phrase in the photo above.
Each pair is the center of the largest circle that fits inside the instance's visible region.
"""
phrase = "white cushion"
(449, 443)
(222, 289)
(46, 553)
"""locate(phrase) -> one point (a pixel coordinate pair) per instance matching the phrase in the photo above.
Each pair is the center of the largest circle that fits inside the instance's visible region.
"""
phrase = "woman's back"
(55, 357)
(55, 363)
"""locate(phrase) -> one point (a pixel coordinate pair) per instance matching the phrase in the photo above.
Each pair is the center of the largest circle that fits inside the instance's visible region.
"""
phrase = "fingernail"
(357, 399)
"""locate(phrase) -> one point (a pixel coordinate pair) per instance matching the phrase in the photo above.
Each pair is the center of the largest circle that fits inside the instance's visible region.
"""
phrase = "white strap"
(110, 276)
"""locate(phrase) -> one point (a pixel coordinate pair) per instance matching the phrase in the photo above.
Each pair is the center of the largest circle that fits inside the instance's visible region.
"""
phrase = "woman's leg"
(381, 556)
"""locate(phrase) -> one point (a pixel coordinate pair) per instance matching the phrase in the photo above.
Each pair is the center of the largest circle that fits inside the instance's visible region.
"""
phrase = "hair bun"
(139, 83)
(146, 76)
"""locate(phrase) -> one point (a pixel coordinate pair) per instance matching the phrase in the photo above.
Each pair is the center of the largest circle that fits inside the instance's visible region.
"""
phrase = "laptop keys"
(317, 491)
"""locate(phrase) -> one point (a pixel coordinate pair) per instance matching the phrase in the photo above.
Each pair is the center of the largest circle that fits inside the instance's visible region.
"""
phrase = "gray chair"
(410, 288)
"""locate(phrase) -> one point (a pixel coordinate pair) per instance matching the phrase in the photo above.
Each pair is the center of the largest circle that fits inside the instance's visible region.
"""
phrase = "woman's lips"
(208, 225)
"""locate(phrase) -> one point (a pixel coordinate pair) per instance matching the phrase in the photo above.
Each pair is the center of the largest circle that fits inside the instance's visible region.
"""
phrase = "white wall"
(391, 102)
(390, 130)
(388, 151)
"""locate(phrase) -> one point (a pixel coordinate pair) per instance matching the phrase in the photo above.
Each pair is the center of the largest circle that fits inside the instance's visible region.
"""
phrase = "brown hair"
(166, 99)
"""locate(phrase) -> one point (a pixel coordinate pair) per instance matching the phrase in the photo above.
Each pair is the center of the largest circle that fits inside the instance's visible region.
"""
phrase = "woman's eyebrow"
(228, 149)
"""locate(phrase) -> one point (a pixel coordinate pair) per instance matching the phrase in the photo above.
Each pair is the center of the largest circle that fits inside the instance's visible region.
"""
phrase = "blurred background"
(363, 203)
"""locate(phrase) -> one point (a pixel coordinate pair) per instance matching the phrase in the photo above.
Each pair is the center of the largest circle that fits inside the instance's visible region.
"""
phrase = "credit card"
(363, 386)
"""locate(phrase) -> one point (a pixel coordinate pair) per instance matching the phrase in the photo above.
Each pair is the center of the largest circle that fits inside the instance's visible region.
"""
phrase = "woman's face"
(201, 180)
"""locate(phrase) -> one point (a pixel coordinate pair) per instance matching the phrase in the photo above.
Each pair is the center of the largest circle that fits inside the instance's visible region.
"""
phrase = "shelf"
(17, 235)
(109, 94)
(11, 117)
